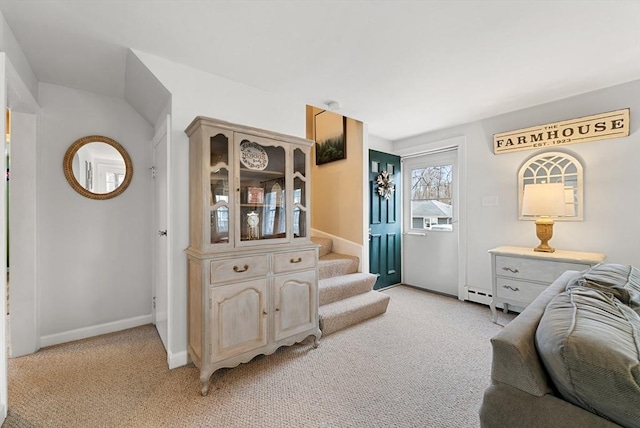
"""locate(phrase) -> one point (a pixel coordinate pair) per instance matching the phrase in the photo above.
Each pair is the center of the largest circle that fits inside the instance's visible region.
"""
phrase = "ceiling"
(402, 67)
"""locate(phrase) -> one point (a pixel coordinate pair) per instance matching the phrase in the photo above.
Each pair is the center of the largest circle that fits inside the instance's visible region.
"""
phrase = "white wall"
(95, 257)
(611, 185)
(143, 91)
(22, 241)
(379, 144)
(196, 93)
(10, 46)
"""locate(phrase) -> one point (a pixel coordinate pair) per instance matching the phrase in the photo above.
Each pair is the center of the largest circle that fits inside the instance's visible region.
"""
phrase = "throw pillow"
(589, 343)
(622, 281)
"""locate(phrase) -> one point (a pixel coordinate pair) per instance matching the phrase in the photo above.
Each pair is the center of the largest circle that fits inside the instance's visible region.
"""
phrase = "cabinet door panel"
(295, 299)
(238, 318)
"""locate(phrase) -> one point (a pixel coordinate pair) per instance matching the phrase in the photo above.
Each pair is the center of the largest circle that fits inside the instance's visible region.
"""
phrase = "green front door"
(384, 218)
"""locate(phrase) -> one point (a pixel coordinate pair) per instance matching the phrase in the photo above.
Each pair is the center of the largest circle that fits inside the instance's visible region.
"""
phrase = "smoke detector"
(333, 105)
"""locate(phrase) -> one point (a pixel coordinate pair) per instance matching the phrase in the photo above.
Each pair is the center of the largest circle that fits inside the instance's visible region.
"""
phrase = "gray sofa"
(521, 393)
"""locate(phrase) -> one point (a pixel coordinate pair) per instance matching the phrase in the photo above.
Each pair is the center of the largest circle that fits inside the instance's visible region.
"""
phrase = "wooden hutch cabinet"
(252, 268)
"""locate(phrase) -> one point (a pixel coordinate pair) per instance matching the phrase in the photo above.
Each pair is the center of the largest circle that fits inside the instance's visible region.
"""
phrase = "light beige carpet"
(425, 363)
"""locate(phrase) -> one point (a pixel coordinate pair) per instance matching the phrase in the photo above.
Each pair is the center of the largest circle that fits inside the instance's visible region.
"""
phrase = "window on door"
(431, 198)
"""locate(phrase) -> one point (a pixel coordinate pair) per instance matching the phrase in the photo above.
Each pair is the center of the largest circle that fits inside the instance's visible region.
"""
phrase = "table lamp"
(544, 201)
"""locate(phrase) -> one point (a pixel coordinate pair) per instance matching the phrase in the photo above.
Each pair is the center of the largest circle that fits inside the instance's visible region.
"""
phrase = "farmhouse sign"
(602, 126)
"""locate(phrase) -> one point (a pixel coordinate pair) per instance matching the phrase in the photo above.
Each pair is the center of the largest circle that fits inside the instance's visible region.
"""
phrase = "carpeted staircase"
(346, 295)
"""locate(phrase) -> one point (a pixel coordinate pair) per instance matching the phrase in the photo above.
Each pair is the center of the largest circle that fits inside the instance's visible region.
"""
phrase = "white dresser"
(520, 274)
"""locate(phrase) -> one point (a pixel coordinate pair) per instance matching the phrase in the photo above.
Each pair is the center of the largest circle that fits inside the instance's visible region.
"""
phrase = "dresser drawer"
(532, 269)
(295, 260)
(519, 291)
(238, 269)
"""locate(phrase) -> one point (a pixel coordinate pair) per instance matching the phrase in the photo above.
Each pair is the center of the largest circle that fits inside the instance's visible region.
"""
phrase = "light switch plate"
(489, 201)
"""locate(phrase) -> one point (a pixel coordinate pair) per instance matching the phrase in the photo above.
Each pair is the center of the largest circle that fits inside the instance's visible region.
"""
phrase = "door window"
(432, 198)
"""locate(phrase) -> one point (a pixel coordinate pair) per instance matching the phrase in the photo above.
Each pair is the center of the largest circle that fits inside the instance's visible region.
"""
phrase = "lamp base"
(544, 232)
(544, 249)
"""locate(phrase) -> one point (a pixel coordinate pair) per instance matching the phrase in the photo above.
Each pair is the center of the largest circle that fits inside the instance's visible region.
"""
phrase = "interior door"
(430, 221)
(384, 218)
(161, 244)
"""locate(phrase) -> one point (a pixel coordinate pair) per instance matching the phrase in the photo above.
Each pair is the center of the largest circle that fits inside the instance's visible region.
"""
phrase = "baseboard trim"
(178, 359)
(94, 330)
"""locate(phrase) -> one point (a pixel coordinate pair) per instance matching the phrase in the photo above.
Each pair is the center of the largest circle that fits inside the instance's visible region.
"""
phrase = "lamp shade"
(547, 199)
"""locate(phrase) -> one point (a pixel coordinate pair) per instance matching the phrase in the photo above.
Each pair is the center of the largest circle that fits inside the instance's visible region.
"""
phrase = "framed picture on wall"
(330, 136)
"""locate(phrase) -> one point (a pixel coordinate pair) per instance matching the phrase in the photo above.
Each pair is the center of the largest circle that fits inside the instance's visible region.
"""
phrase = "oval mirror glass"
(97, 167)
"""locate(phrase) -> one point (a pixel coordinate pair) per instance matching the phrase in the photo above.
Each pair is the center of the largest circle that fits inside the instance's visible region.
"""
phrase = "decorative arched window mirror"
(554, 167)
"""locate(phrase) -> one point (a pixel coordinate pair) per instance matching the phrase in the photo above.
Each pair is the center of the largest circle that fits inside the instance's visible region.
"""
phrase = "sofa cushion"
(589, 342)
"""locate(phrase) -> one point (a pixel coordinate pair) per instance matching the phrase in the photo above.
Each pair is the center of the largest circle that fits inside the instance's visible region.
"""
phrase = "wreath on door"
(385, 185)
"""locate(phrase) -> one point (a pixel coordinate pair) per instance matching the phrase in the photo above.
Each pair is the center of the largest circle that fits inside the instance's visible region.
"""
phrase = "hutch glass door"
(263, 191)
(219, 192)
(300, 182)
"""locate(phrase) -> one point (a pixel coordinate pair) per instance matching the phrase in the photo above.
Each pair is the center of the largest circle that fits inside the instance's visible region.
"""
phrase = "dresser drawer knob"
(242, 269)
(298, 260)
(508, 287)
(508, 269)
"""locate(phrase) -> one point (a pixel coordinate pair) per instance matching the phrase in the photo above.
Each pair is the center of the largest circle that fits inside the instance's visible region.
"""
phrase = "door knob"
(162, 233)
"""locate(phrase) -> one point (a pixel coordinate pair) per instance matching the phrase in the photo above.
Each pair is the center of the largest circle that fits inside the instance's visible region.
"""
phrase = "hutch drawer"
(294, 260)
(239, 269)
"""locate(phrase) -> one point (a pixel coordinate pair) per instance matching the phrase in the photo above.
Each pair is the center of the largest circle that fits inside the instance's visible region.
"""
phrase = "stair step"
(326, 245)
(335, 264)
(344, 286)
(353, 310)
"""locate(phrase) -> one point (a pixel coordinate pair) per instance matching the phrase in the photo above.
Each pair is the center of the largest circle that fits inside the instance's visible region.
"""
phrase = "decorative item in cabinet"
(255, 195)
(253, 270)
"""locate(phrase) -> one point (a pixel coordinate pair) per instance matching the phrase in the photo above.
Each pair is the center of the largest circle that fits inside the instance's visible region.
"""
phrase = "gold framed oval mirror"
(97, 167)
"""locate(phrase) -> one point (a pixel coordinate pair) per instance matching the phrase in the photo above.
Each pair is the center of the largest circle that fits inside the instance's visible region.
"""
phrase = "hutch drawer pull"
(511, 270)
(243, 269)
(264, 312)
(298, 260)
(511, 288)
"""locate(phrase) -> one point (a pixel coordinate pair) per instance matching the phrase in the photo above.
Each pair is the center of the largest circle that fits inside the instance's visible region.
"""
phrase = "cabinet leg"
(316, 342)
(506, 308)
(494, 312)
(204, 386)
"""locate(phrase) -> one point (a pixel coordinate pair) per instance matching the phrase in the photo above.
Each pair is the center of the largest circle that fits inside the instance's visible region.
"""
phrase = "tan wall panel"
(337, 188)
